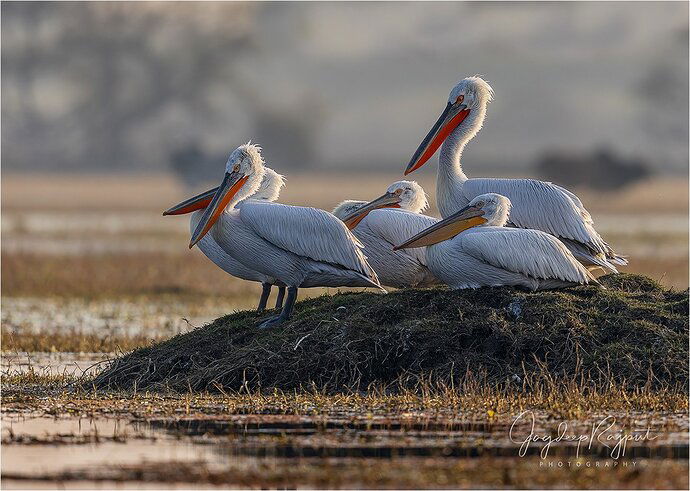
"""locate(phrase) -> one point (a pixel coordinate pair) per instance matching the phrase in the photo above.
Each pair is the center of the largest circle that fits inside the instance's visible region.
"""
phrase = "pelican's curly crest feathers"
(476, 91)
(420, 200)
(252, 151)
(481, 88)
(251, 165)
(414, 197)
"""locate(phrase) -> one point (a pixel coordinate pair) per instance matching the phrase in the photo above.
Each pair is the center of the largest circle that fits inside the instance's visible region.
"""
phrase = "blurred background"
(114, 111)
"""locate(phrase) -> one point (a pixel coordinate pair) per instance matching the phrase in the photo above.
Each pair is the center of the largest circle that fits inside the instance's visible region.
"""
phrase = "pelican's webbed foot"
(271, 322)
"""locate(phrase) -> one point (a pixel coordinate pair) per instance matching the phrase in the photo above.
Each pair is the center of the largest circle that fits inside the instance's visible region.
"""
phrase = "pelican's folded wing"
(529, 252)
(307, 232)
(543, 206)
(396, 226)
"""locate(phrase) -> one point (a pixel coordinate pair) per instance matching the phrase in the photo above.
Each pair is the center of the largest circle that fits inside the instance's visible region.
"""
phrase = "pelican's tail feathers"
(373, 282)
(588, 258)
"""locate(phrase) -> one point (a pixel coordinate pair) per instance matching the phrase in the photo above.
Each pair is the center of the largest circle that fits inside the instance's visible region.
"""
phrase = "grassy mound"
(632, 333)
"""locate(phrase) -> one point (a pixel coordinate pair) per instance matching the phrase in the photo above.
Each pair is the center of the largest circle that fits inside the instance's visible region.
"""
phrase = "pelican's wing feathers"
(396, 226)
(307, 232)
(529, 252)
(543, 206)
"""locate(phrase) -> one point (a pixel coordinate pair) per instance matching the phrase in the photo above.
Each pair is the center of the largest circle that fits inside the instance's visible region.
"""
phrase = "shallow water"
(36, 446)
(83, 446)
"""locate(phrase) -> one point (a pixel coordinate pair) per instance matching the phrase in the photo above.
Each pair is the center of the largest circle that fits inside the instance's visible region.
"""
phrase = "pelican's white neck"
(452, 148)
(271, 184)
(247, 190)
(450, 177)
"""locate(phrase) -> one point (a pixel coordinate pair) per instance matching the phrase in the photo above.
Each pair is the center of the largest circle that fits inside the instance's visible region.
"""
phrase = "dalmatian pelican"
(536, 204)
(473, 248)
(297, 246)
(386, 221)
(269, 190)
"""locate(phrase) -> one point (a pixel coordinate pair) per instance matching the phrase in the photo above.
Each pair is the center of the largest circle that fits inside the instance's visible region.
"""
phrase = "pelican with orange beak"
(386, 221)
(297, 246)
(536, 204)
(269, 190)
(472, 248)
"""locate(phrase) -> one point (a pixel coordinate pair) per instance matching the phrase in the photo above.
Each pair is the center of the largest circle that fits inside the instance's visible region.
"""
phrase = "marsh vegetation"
(427, 436)
(92, 273)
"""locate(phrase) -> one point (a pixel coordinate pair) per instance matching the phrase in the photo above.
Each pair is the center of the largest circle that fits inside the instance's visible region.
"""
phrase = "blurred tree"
(83, 80)
(115, 86)
(124, 85)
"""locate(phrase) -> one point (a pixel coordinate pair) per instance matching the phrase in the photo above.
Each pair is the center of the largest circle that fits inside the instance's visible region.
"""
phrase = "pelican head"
(489, 209)
(244, 171)
(496, 208)
(470, 96)
(347, 207)
(407, 195)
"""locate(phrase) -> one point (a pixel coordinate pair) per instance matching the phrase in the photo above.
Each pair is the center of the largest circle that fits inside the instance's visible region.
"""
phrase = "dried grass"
(73, 341)
(113, 275)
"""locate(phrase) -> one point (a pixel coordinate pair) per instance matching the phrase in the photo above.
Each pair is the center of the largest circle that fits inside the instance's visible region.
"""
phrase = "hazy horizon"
(134, 88)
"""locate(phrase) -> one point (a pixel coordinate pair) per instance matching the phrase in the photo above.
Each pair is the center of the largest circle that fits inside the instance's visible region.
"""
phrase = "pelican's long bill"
(198, 202)
(468, 217)
(232, 182)
(388, 200)
(450, 118)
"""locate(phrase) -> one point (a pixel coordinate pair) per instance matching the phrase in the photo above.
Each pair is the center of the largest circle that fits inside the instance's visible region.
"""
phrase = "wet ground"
(108, 317)
(58, 437)
(35, 446)
(58, 363)
(58, 449)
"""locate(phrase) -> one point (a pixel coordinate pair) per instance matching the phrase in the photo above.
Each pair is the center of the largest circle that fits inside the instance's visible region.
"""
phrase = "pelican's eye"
(460, 99)
(398, 191)
(236, 168)
(479, 204)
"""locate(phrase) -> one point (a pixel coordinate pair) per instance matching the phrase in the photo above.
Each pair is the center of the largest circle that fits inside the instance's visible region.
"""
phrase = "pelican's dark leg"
(289, 303)
(265, 292)
(285, 313)
(279, 298)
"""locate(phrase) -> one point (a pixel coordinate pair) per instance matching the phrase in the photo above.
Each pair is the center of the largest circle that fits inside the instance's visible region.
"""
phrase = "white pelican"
(297, 246)
(487, 253)
(269, 190)
(536, 204)
(385, 222)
